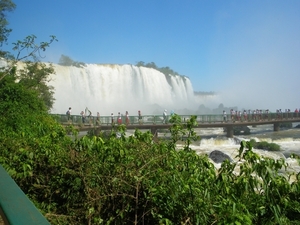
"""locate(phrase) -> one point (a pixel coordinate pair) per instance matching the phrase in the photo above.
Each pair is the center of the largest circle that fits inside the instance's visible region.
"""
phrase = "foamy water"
(288, 140)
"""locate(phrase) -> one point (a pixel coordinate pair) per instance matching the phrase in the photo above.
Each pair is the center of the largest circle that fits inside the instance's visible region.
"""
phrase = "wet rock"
(218, 156)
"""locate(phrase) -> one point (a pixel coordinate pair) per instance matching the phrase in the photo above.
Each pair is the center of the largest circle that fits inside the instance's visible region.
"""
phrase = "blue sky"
(238, 48)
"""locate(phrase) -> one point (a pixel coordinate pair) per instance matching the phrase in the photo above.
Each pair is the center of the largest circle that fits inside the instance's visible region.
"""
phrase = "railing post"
(276, 126)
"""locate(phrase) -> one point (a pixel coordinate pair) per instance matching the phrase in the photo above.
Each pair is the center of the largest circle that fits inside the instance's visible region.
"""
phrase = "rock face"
(237, 130)
(218, 156)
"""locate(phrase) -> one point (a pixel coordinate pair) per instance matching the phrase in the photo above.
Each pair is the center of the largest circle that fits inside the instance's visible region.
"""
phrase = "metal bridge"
(155, 122)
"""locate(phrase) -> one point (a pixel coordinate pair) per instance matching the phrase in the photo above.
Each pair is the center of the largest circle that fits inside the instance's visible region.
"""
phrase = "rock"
(218, 156)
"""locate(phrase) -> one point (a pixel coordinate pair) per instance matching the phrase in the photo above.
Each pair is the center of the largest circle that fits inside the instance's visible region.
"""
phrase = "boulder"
(218, 156)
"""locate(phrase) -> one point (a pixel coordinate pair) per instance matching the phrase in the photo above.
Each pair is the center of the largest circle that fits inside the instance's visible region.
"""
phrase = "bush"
(265, 145)
(134, 180)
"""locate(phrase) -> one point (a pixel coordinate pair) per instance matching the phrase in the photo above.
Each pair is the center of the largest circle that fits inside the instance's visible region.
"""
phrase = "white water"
(288, 140)
(119, 88)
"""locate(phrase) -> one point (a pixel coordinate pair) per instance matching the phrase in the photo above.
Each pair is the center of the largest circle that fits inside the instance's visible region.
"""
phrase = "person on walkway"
(239, 115)
(165, 116)
(98, 119)
(245, 115)
(260, 115)
(119, 118)
(224, 116)
(140, 118)
(112, 118)
(296, 112)
(82, 117)
(232, 113)
(126, 118)
(90, 116)
(254, 115)
(69, 113)
(267, 114)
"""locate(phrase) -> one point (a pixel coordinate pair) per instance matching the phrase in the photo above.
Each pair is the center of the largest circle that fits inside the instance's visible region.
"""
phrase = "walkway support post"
(154, 131)
(276, 126)
(229, 131)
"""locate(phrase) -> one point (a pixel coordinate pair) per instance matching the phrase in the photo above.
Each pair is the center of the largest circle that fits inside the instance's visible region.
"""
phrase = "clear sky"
(246, 50)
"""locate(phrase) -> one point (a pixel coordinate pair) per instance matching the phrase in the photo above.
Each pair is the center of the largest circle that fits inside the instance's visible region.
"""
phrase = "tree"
(5, 6)
(35, 76)
(67, 61)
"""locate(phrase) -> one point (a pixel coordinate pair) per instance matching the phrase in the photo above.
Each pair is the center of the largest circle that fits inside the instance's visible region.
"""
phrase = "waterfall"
(118, 88)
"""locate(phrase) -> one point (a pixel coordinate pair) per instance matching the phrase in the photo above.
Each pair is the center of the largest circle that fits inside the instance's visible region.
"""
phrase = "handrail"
(158, 119)
(15, 206)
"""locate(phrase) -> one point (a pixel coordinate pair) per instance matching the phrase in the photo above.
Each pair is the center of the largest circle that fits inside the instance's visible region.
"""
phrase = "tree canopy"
(165, 70)
(67, 61)
(5, 6)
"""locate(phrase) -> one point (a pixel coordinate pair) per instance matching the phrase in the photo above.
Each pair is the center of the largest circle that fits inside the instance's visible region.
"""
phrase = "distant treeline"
(165, 70)
(67, 61)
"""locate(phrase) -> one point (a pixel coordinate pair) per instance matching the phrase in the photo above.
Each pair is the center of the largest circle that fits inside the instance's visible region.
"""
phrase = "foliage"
(132, 180)
(29, 49)
(286, 125)
(115, 179)
(265, 145)
(67, 61)
(35, 76)
(5, 6)
(165, 70)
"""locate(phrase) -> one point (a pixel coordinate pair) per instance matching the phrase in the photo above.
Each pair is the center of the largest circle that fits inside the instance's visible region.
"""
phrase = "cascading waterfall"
(118, 88)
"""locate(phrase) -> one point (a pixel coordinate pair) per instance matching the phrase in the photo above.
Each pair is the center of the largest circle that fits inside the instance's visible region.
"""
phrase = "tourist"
(245, 115)
(232, 114)
(112, 118)
(82, 117)
(140, 118)
(239, 115)
(90, 115)
(98, 119)
(164, 116)
(126, 118)
(224, 116)
(69, 113)
(296, 112)
(267, 114)
(119, 118)
(259, 115)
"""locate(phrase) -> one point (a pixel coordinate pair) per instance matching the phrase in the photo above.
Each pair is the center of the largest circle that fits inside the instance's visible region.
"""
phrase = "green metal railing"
(158, 119)
(15, 207)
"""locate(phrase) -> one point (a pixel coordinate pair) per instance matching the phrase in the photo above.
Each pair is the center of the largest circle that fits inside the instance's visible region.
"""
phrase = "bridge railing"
(15, 206)
(158, 119)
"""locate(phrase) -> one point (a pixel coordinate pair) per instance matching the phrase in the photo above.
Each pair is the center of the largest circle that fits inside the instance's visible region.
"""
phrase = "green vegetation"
(165, 70)
(286, 125)
(67, 61)
(5, 6)
(265, 145)
(112, 179)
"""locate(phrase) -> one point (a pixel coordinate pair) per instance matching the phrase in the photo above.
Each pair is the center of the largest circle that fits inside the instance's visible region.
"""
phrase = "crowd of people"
(234, 115)
(86, 116)
(258, 114)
